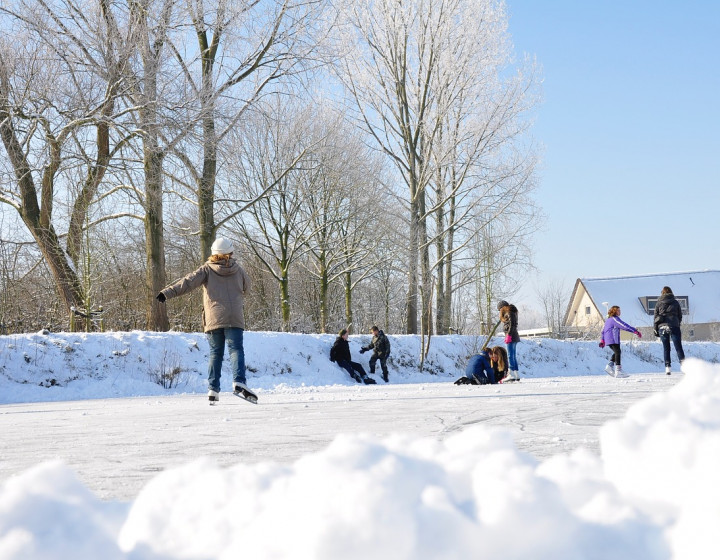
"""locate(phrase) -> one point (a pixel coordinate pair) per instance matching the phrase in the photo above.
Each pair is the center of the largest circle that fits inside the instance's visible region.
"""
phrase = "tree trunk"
(153, 156)
(413, 254)
(93, 179)
(154, 237)
(348, 299)
(323, 294)
(425, 276)
(446, 304)
(66, 279)
(206, 188)
(441, 326)
(285, 301)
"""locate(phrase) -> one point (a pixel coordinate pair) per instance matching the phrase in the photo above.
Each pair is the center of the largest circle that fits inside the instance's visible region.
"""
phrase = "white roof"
(701, 287)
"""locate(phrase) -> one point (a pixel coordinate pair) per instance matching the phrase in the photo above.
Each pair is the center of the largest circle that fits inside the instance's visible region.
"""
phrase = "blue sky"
(630, 131)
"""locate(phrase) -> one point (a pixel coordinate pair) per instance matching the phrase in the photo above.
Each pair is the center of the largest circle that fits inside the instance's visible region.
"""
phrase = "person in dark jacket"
(479, 371)
(666, 325)
(340, 354)
(380, 346)
(224, 284)
(509, 318)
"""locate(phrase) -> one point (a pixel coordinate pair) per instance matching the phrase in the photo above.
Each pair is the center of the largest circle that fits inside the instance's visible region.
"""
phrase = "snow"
(569, 463)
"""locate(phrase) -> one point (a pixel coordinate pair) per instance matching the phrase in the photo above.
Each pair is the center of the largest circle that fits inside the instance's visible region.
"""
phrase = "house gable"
(582, 310)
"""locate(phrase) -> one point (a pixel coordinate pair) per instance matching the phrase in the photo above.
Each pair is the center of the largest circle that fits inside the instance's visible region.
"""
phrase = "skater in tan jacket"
(224, 284)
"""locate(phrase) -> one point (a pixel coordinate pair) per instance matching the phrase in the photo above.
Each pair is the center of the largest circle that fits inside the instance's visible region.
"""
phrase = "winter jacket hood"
(225, 284)
(224, 268)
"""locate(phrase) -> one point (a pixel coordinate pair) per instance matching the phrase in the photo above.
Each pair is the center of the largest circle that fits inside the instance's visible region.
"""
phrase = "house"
(698, 293)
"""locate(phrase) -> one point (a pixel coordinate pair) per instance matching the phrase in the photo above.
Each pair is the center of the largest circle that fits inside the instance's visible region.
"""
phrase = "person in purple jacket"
(611, 337)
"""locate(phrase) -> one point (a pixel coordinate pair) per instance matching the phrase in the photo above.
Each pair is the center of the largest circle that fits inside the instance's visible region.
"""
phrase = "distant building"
(698, 293)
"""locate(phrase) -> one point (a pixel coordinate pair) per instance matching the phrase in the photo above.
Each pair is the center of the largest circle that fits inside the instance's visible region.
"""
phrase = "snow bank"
(653, 493)
(69, 366)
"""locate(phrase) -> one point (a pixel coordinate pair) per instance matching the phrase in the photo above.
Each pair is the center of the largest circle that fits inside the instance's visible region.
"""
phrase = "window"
(648, 303)
(587, 310)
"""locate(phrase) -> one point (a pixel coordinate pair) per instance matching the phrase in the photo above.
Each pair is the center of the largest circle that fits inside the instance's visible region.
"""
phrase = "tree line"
(371, 160)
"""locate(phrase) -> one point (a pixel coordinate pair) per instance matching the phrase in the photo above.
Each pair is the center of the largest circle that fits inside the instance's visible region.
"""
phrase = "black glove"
(363, 350)
(161, 297)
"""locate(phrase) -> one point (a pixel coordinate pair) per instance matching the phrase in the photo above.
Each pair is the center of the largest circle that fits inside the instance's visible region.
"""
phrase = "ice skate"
(241, 390)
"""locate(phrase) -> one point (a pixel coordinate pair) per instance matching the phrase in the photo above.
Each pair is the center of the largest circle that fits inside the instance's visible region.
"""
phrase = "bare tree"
(271, 158)
(153, 20)
(389, 73)
(417, 71)
(481, 161)
(554, 297)
(243, 49)
(56, 88)
(344, 203)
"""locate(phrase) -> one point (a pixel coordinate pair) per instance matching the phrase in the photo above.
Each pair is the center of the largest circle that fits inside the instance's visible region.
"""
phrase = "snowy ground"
(586, 465)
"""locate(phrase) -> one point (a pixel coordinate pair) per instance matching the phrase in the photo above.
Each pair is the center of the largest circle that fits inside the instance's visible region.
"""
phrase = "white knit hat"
(222, 246)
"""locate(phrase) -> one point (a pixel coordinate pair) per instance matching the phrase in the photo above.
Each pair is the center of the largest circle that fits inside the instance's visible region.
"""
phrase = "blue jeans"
(512, 356)
(677, 343)
(217, 338)
(479, 369)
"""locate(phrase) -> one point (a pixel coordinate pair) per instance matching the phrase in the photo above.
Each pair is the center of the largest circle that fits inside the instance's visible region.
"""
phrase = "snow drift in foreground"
(654, 493)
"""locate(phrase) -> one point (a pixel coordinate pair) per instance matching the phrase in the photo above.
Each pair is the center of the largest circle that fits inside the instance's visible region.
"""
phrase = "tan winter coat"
(224, 285)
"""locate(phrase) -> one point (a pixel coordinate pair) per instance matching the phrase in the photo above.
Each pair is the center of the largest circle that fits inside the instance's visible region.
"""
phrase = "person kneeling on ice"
(499, 362)
(478, 371)
(611, 337)
(224, 284)
(340, 353)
